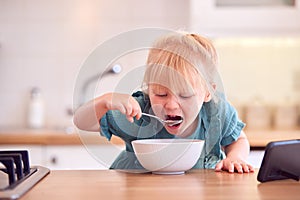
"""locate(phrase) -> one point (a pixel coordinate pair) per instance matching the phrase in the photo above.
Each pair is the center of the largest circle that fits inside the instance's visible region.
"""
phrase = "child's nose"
(172, 102)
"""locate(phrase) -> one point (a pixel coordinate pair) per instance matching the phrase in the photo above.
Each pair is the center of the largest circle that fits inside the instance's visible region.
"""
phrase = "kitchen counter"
(257, 138)
(52, 137)
(195, 184)
(260, 138)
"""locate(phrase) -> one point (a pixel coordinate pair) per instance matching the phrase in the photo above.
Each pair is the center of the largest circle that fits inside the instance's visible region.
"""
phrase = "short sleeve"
(232, 125)
(104, 126)
(222, 121)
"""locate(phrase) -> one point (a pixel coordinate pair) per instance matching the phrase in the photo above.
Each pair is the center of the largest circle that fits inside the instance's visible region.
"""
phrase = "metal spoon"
(168, 122)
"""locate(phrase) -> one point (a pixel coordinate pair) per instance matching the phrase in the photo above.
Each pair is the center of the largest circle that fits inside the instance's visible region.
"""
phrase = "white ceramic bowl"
(168, 156)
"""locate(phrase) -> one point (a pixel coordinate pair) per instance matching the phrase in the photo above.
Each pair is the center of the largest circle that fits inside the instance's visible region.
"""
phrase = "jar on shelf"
(286, 116)
(36, 110)
(258, 115)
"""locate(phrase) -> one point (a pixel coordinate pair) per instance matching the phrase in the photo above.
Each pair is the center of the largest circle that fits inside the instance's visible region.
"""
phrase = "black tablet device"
(281, 161)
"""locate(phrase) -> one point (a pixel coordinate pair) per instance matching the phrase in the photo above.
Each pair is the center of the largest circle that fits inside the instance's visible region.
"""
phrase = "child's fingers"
(138, 115)
(219, 166)
(238, 167)
(230, 168)
(130, 119)
(135, 109)
(129, 110)
(251, 168)
(136, 112)
(245, 168)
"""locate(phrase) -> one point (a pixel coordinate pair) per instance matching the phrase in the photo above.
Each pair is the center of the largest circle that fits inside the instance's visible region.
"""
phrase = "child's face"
(186, 105)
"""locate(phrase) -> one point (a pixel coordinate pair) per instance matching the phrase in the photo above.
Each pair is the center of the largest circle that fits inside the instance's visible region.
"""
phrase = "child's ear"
(207, 97)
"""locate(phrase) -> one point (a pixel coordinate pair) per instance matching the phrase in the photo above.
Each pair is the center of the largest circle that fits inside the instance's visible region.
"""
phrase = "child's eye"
(186, 96)
(161, 95)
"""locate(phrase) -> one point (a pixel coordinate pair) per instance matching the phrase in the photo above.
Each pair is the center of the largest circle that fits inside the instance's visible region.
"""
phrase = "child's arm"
(236, 155)
(88, 115)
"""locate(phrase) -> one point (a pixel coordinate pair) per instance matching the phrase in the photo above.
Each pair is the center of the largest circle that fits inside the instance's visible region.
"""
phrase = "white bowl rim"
(167, 141)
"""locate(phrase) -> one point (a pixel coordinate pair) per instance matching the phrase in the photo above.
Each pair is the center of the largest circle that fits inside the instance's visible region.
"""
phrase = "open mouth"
(174, 118)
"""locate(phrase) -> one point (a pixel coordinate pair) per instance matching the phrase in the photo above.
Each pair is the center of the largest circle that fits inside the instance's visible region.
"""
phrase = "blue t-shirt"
(218, 125)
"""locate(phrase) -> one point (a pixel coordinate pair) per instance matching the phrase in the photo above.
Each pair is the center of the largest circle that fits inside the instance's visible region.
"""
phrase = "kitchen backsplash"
(262, 79)
(265, 69)
(44, 43)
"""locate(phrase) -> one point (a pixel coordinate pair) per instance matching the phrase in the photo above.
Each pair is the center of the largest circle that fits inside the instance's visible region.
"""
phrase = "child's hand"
(231, 166)
(125, 103)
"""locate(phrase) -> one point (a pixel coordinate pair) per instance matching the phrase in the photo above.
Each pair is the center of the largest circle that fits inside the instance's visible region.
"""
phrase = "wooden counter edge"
(260, 138)
(257, 138)
(54, 138)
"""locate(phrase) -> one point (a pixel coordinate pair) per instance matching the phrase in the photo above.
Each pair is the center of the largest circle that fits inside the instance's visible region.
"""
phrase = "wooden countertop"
(260, 138)
(257, 138)
(53, 137)
(195, 184)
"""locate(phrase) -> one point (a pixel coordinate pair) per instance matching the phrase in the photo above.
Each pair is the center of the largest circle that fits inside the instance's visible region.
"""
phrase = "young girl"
(180, 82)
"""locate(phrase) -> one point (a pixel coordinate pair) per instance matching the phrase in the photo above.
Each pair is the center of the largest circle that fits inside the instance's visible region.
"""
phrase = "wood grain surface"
(195, 184)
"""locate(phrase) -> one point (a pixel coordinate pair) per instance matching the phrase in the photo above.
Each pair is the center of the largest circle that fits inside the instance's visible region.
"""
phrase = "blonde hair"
(185, 58)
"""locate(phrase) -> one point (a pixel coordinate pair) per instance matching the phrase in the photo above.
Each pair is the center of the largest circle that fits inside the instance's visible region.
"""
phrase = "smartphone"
(281, 161)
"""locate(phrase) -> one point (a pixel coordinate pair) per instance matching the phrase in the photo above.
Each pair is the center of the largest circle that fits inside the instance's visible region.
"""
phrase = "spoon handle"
(149, 115)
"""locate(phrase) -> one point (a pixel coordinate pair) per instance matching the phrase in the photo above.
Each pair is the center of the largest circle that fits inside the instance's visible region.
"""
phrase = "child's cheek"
(157, 109)
(193, 105)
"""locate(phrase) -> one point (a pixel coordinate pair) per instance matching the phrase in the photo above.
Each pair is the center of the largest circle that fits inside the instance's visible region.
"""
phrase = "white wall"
(44, 43)
(267, 69)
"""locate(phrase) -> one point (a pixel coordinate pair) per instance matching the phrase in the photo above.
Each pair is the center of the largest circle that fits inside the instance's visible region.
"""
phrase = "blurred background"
(43, 45)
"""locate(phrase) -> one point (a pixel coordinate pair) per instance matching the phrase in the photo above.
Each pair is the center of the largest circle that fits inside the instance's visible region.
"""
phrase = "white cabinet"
(69, 156)
(212, 20)
(255, 158)
(86, 157)
(36, 152)
(80, 157)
